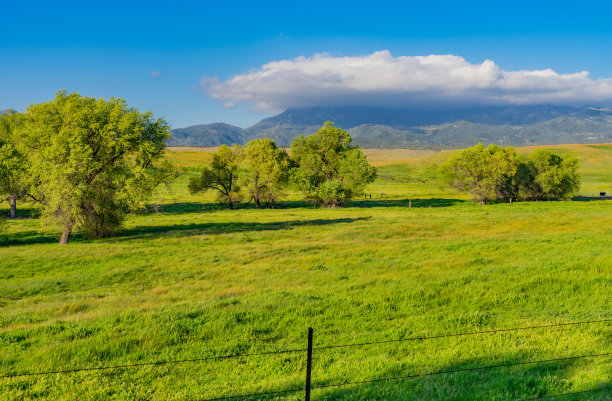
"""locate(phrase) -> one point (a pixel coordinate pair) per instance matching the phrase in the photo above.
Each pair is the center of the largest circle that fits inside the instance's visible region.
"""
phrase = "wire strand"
(441, 372)
(233, 397)
(462, 334)
(423, 375)
(285, 351)
(157, 363)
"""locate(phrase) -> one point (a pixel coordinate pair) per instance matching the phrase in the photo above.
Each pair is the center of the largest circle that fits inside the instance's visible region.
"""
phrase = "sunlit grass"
(185, 283)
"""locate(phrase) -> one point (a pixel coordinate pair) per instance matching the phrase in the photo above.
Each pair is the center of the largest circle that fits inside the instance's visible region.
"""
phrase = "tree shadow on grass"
(22, 212)
(194, 207)
(525, 381)
(591, 198)
(226, 228)
(27, 238)
(415, 203)
(33, 237)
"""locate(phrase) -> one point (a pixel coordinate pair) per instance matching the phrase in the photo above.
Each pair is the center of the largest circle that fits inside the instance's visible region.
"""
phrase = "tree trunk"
(231, 205)
(66, 234)
(256, 203)
(13, 203)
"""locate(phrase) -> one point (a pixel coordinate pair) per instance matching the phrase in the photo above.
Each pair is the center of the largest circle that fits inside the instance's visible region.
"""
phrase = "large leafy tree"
(330, 171)
(484, 172)
(92, 160)
(552, 176)
(13, 166)
(267, 171)
(221, 175)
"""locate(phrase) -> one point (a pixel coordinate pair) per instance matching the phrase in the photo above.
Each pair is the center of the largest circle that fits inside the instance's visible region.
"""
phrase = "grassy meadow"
(191, 279)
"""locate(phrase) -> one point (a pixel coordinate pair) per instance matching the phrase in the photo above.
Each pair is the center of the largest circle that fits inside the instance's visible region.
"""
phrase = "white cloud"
(155, 73)
(379, 79)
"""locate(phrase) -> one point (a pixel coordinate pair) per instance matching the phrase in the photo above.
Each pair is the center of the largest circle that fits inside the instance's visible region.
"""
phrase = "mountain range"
(375, 127)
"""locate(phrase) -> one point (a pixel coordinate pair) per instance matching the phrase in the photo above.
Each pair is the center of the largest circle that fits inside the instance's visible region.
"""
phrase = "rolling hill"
(208, 135)
(398, 128)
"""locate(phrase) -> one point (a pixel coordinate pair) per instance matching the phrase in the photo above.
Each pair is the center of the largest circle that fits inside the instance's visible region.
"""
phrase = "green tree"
(329, 170)
(486, 173)
(552, 176)
(92, 160)
(222, 175)
(13, 166)
(267, 171)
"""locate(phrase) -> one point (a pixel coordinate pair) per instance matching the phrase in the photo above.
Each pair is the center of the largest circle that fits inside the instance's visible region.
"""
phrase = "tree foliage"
(13, 165)
(552, 176)
(92, 160)
(483, 172)
(329, 170)
(267, 171)
(222, 175)
(496, 173)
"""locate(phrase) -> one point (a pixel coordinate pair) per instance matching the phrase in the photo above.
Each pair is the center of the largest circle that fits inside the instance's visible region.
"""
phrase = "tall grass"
(186, 283)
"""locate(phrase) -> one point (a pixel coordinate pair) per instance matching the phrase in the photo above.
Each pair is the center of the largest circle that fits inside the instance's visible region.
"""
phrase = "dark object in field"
(602, 194)
(308, 365)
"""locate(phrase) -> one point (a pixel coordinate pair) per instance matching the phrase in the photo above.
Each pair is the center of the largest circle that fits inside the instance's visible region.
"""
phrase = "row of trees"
(86, 162)
(324, 166)
(495, 173)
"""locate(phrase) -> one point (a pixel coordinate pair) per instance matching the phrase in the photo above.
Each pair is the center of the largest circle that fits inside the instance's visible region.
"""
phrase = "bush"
(102, 214)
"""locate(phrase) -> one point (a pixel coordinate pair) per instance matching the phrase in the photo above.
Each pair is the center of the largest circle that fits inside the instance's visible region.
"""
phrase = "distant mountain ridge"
(376, 127)
(208, 135)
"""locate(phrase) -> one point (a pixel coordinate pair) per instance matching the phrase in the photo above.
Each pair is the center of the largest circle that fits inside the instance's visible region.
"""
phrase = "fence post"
(308, 364)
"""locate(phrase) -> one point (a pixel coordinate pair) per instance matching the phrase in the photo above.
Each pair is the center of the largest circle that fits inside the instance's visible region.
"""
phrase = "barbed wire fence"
(308, 385)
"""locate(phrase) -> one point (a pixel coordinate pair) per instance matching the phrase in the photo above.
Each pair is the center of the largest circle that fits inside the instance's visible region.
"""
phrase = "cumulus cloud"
(155, 73)
(380, 79)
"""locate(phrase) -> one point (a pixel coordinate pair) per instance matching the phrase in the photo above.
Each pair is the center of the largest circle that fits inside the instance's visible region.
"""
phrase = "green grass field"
(195, 280)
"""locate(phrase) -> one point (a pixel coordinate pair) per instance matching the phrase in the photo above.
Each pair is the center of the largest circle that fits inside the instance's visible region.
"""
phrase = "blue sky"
(112, 49)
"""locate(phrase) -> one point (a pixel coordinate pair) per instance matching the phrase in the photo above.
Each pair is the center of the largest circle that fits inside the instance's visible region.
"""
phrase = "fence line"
(418, 375)
(310, 348)
(235, 397)
(157, 363)
(286, 351)
(463, 334)
(442, 372)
